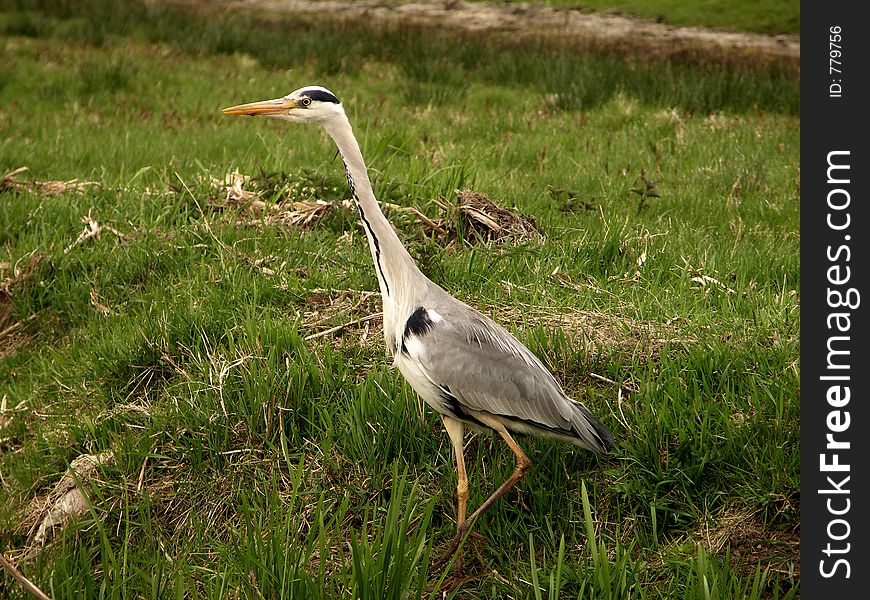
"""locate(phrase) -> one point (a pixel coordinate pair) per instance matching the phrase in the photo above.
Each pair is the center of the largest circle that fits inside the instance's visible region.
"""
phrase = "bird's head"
(310, 104)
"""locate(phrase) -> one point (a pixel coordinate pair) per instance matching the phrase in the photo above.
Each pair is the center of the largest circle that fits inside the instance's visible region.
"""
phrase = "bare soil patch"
(752, 543)
(537, 20)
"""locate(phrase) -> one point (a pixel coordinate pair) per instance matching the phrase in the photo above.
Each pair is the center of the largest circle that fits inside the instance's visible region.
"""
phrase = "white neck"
(398, 276)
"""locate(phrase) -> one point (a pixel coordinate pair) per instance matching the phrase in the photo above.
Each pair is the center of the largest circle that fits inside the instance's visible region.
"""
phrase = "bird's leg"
(456, 430)
(523, 464)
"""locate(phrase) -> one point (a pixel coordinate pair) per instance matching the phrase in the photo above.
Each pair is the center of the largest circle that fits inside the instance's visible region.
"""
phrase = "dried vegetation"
(11, 182)
(14, 279)
(67, 499)
(290, 201)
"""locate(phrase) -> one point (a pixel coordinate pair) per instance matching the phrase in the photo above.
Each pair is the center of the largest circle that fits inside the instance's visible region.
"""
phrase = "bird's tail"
(592, 433)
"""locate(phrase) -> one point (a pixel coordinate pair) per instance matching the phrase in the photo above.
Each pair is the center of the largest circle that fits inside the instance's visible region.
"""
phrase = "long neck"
(395, 269)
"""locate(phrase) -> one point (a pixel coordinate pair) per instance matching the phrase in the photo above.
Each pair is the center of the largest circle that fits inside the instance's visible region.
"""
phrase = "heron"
(466, 367)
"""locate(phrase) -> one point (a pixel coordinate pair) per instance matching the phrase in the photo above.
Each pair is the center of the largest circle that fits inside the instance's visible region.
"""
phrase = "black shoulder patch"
(321, 96)
(418, 323)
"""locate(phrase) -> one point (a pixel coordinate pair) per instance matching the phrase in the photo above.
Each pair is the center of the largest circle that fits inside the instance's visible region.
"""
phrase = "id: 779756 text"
(835, 61)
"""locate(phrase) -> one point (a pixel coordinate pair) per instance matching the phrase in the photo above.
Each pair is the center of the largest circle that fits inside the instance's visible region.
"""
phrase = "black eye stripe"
(321, 96)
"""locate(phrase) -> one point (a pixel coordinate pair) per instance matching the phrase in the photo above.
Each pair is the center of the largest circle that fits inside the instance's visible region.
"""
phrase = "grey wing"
(481, 367)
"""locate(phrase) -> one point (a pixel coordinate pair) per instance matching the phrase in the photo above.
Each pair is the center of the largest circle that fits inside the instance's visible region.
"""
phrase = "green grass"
(769, 16)
(250, 461)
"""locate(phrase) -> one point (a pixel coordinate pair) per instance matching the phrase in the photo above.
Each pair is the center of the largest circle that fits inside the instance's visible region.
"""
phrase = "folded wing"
(480, 366)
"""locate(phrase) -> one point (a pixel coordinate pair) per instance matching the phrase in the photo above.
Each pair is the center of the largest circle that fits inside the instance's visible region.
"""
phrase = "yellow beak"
(265, 107)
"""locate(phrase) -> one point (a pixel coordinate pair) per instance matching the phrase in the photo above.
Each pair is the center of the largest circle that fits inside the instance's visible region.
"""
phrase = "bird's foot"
(451, 550)
(475, 538)
(454, 581)
(457, 578)
(454, 546)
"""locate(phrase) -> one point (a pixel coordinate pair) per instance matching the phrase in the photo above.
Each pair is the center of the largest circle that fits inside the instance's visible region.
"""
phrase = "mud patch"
(524, 20)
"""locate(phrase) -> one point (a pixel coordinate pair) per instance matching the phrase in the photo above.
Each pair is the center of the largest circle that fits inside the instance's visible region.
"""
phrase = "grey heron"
(466, 367)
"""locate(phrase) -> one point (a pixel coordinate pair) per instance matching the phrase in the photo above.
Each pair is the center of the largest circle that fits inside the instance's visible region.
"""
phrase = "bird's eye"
(305, 101)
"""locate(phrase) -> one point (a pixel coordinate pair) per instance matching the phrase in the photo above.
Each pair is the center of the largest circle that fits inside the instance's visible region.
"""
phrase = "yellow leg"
(456, 430)
(523, 464)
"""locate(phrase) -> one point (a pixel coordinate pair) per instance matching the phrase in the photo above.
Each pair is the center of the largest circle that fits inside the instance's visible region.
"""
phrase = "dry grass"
(92, 230)
(10, 182)
(14, 279)
(245, 194)
(470, 218)
(350, 313)
(66, 501)
(474, 218)
(357, 312)
(291, 207)
(751, 543)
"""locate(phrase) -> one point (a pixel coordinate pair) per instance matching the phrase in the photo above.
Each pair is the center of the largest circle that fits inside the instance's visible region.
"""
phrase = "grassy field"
(767, 16)
(151, 318)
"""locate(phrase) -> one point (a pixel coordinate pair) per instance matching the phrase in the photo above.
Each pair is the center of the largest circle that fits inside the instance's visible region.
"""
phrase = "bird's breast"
(416, 376)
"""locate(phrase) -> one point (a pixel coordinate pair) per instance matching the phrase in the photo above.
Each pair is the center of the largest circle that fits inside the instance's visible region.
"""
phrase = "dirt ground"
(530, 19)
